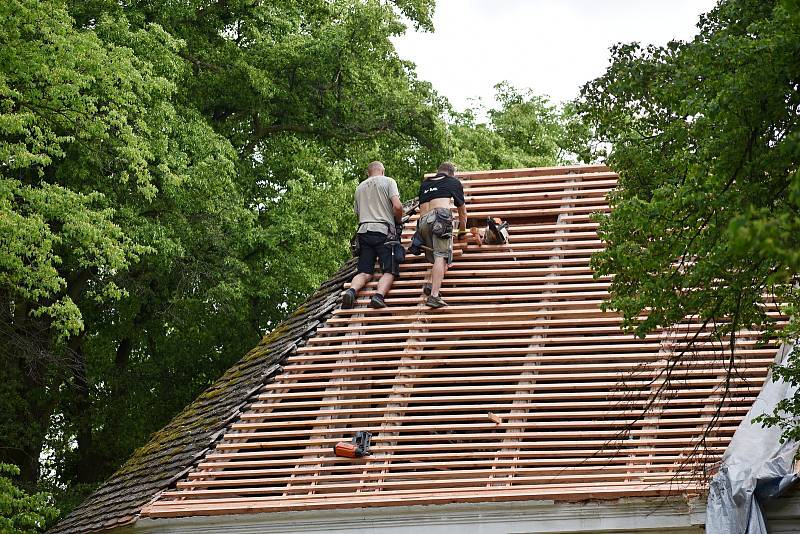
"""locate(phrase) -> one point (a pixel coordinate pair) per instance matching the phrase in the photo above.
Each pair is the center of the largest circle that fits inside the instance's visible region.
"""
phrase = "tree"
(174, 179)
(706, 142)
(21, 513)
(305, 93)
(526, 130)
(90, 141)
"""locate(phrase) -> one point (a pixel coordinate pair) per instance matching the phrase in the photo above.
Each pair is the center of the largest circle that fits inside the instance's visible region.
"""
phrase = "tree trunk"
(86, 469)
(26, 370)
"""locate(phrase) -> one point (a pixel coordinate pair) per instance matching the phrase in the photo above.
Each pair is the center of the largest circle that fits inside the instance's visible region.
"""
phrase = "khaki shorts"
(442, 246)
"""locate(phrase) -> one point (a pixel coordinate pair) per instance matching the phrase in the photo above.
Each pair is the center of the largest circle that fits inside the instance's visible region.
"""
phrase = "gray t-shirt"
(374, 203)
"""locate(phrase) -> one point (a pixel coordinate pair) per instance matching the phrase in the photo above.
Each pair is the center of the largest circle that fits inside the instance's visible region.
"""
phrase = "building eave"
(657, 514)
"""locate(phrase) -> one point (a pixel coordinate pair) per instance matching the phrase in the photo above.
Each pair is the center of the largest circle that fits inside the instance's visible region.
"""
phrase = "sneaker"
(435, 301)
(427, 289)
(348, 299)
(377, 302)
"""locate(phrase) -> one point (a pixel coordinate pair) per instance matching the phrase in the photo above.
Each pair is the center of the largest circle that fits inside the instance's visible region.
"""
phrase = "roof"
(521, 389)
(173, 450)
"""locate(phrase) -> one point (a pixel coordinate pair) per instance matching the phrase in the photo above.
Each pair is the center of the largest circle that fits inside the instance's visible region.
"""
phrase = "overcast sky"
(550, 46)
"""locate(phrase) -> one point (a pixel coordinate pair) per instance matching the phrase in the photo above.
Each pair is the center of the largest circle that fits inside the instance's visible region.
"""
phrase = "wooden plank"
(452, 318)
(512, 271)
(554, 196)
(566, 492)
(554, 342)
(568, 344)
(689, 386)
(507, 190)
(447, 331)
(462, 331)
(588, 353)
(462, 422)
(440, 322)
(441, 481)
(579, 451)
(565, 244)
(489, 281)
(385, 454)
(496, 383)
(544, 406)
(543, 230)
(541, 174)
(529, 410)
(339, 474)
(578, 198)
(478, 255)
(510, 213)
(471, 442)
(228, 471)
(585, 307)
(467, 366)
(549, 204)
(502, 290)
(473, 365)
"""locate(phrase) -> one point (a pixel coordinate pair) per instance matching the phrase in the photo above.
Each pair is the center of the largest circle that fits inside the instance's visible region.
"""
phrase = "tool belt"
(442, 223)
(394, 232)
(416, 245)
(355, 246)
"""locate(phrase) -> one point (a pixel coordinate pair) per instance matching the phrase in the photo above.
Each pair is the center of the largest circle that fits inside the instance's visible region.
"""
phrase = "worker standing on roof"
(435, 225)
(380, 212)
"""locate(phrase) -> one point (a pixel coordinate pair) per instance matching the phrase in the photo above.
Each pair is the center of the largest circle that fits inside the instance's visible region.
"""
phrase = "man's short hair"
(447, 168)
(375, 166)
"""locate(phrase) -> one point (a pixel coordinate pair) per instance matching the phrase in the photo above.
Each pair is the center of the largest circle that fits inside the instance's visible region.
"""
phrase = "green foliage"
(524, 131)
(706, 141)
(56, 96)
(21, 513)
(174, 179)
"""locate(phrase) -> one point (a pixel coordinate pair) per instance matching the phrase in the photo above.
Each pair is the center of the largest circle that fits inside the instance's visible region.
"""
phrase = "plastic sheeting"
(756, 467)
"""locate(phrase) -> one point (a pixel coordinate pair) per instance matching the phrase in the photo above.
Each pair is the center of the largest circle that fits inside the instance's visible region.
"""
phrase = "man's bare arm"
(462, 220)
(397, 207)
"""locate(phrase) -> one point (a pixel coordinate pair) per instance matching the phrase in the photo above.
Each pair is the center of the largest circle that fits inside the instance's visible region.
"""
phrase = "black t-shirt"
(447, 187)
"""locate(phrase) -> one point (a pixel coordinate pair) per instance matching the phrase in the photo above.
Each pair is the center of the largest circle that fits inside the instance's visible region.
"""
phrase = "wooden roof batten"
(521, 389)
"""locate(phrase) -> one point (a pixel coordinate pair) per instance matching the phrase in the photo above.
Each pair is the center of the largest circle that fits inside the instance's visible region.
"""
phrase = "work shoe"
(348, 299)
(435, 301)
(377, 301)
(427, 289)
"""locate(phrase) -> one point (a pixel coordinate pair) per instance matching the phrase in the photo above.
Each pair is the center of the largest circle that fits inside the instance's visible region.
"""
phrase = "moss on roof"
(174, 449)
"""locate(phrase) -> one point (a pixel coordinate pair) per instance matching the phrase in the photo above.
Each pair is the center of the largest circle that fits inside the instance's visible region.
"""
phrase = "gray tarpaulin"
(756, 467)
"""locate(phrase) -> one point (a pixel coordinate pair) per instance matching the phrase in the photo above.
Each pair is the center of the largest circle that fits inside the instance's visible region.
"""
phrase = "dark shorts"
(372, 247)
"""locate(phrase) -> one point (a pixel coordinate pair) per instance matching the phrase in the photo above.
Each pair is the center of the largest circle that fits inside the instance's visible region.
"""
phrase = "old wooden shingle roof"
(521, 389)
(172, 451)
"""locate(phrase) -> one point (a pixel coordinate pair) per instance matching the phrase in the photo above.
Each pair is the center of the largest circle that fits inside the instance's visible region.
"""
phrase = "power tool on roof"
(357, 448)
(496, 232)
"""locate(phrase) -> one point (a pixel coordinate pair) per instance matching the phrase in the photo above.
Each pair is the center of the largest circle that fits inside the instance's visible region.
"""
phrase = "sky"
(550, 46)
